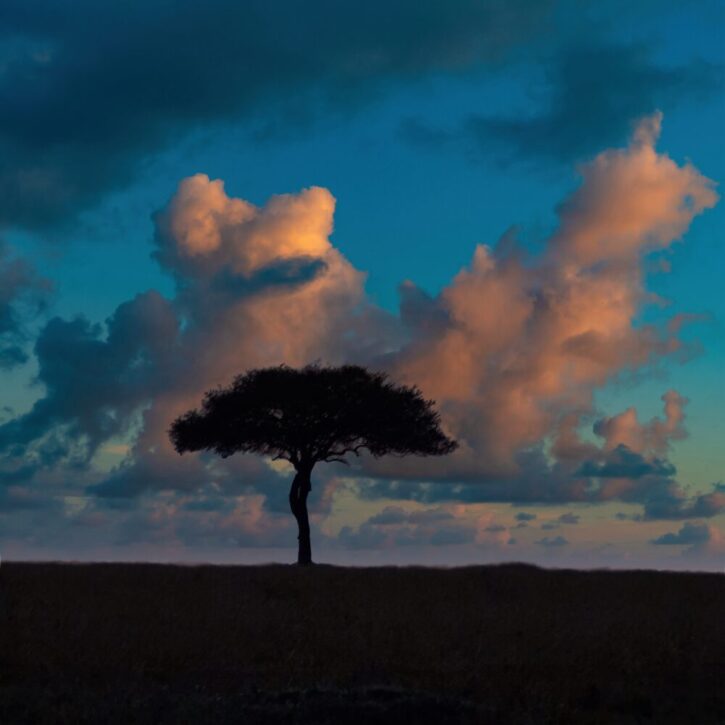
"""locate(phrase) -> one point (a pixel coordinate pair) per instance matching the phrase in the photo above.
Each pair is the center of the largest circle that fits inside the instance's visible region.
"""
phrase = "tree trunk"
(301, 486)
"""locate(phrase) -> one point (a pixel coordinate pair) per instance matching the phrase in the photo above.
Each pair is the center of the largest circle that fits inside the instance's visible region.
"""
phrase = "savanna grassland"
(122, 643)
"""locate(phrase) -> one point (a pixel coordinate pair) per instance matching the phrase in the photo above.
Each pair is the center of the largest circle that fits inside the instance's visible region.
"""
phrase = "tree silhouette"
(310, 415)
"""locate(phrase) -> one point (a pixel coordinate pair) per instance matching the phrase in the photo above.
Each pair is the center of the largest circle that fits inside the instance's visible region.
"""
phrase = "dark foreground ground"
(276, 644)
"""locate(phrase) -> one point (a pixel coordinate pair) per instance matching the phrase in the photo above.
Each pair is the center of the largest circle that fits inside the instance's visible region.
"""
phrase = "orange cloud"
(631, 200)
(205, 225)
(526, 342)
(648, 438)
(513, 349)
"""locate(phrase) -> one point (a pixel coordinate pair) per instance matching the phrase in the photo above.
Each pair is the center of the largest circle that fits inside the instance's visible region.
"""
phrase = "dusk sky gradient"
(514, 205)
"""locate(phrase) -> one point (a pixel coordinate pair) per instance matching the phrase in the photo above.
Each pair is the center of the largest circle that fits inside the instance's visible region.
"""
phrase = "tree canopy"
(313, 414)
(309, 415)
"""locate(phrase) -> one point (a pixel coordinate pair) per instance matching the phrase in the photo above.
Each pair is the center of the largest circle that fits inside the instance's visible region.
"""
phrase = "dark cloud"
(93, 386)
(702, 540)
(89, 89)
(524, 516)
(540, 482)
(687, 535)
(555, 541)
(244, 475)
(577, 472)
(23, 296)
(669, 501)
(622, 462)
(569, 518)
(591, 94)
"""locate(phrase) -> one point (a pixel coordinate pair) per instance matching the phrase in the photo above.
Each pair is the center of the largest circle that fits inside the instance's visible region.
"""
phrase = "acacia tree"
(310, 415)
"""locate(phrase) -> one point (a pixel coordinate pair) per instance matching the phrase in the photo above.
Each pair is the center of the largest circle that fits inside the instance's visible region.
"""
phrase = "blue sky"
(435, 130)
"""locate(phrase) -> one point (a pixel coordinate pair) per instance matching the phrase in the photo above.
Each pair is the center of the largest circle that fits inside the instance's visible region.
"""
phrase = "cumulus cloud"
(81, 110)
(514, 348)
(204, 230)
(513, 351)
(255, 287)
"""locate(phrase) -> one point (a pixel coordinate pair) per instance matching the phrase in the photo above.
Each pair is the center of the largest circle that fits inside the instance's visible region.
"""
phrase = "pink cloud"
(650, 438)
(513, 350)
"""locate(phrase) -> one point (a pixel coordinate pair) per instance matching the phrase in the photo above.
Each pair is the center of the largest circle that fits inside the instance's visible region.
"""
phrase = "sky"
(514, 205)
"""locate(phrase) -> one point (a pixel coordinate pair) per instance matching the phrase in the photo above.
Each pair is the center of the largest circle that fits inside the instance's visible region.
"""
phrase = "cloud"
(249, 281)
(688, 534)
(92, 386)
(23, 296)
(630, 448)
(207, 523)
(522, 388)
(203, 231)
(700, 540)
(235, 314)
(513, 351)
(394, 515)
(621, 462)
(89, 92)
(669, 501)
(240, 522)
(514, 348)
(523, 516)
(569, 518)
(555, 541)
(584, 100)
(437, 526)
(368, 536)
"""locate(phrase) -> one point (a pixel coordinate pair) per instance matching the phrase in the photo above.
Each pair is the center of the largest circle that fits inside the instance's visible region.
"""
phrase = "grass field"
(513, 643)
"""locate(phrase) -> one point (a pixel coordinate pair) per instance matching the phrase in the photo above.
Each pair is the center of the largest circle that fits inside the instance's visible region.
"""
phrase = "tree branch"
(352, 449)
